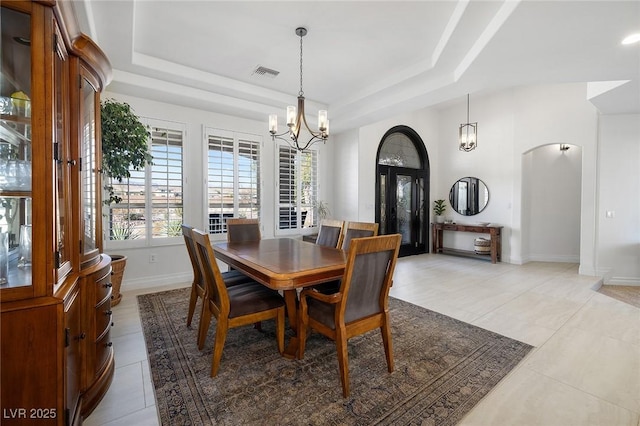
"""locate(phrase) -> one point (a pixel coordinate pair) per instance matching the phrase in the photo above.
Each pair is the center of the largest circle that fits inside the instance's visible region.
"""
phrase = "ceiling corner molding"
(452, 24)
(597, 88)
(501, 16)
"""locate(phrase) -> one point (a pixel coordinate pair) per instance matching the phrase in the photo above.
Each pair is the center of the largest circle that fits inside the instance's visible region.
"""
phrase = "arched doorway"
(402, 188)
(551, 183)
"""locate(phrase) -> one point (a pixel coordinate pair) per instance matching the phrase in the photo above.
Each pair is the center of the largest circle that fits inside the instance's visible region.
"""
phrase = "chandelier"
(468, 133)
(296, 117)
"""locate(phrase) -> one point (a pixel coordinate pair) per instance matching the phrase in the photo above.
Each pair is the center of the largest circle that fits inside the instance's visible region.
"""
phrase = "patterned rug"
(443, 367)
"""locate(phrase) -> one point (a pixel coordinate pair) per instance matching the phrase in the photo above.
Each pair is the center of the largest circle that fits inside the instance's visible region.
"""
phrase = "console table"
(492, 230)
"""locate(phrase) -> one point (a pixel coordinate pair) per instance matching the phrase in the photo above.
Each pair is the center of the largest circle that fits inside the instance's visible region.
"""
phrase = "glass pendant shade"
(468, 134)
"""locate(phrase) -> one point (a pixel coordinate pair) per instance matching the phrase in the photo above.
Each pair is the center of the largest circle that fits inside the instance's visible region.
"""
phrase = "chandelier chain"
(301, 93)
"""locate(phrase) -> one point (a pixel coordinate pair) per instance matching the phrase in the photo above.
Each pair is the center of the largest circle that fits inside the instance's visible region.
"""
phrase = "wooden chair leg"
(203, 327)
(218, 345)
(192, 304)
(343, 360)
(280, 330)
(388, 346)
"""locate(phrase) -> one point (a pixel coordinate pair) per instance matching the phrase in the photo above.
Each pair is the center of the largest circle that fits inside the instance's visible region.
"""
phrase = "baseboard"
(155, 281)
(555, 259)
(625, 281)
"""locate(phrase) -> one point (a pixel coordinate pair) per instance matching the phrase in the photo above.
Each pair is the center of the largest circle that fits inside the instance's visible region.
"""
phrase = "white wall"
(345, 161)
(618, 240)
(490, 161)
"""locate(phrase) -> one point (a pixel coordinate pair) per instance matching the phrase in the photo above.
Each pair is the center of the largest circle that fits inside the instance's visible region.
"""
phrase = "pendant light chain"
(467, 107)
(301, 93)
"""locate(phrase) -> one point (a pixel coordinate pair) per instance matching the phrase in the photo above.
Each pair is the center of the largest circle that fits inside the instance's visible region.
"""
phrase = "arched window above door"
(399, 150)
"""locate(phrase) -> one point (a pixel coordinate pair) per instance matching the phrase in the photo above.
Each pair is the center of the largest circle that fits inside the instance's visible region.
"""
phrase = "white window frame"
(234, 140)
(149, 240)
(311, 206)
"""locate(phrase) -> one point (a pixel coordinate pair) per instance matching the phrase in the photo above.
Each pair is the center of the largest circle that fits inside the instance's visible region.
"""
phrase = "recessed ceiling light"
(633, 38)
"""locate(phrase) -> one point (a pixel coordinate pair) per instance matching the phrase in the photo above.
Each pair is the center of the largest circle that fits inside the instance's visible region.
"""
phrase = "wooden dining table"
(284, 264)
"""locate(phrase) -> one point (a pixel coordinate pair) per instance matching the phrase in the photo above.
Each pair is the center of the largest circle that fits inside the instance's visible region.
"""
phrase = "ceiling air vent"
(265, 72)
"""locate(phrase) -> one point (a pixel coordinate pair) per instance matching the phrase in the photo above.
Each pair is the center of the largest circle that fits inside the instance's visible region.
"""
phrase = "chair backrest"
(240, 230)
(330, 233)
(187, 233)
(215, 289)
(357, 230)
(368, 276)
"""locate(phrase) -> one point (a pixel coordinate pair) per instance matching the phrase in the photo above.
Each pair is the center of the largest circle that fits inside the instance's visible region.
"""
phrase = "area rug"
(443, 367)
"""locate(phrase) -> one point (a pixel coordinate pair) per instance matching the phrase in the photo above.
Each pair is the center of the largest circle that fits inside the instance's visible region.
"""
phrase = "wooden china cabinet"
(55, 291)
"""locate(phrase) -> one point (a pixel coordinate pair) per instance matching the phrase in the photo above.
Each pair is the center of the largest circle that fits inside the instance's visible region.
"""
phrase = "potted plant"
(323, 209)
(439, 208)
(124, 147)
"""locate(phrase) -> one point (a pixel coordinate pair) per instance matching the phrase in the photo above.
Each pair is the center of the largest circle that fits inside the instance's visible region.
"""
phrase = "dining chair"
(330, 232)
(360, 304)
(357, 230)
(197, 287)
(241, 229)
(234, 306)
(351, 230)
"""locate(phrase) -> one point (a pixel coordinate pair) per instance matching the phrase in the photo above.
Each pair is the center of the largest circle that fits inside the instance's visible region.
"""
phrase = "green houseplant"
(323, 209)
(124, 148)
(439, 207)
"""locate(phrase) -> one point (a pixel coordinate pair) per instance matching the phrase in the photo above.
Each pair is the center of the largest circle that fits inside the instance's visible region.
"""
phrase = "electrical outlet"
(153, 258)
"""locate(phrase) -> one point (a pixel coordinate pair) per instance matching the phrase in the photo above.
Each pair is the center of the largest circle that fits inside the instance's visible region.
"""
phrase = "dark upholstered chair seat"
(234, 277)
(250, 297)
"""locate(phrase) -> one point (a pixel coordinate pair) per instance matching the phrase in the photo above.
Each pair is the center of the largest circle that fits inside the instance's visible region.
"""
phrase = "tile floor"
(584, 370)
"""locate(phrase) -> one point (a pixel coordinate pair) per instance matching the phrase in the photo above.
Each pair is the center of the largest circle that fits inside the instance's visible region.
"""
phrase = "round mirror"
(469, 196)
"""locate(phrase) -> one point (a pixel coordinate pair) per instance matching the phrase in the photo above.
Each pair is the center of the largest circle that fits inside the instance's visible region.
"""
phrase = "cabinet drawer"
(103, 285)
(103, 351)
(103, 317)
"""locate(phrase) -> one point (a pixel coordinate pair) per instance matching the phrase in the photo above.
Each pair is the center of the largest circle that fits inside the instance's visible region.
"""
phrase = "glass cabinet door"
(15, 150)
(89, 110)
(62, 158)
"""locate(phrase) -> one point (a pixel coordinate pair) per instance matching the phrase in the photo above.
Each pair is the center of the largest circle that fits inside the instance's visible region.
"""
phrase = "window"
(297, 188)
(233, 177)
(151, 206)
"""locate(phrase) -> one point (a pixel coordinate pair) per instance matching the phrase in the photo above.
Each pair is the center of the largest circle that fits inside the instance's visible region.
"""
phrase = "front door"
(402, 188)
(404, 209)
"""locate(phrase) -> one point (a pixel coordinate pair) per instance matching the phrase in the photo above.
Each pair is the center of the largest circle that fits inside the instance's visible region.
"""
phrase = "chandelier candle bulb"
(322, 120)
(291, 116)
(273, 123)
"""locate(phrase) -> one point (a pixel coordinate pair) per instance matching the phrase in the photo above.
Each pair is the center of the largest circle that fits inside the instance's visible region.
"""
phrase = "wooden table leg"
(291, 302)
